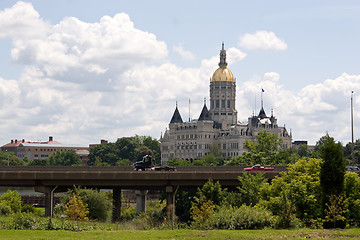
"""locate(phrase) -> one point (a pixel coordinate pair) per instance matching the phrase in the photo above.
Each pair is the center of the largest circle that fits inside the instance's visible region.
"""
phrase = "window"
(217, 103)
(228, 103)
(222, 103)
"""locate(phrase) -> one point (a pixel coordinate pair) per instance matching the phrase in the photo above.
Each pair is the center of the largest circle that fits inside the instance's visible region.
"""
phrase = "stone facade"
(218, 125)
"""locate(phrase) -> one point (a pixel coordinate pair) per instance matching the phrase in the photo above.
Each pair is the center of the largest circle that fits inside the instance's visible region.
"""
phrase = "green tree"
(295, 194)
(12, 199)
(332, 176)
(249, 188)
(304, 151)
(39, 162)
(154, 145)
(348, 152)
(103, 154)
(208, 160)
(64, 158)
(352, 198)
(264, 151)
(178, 162)
(126, 148)
(9, 158)
(212, 191)
(141, 151)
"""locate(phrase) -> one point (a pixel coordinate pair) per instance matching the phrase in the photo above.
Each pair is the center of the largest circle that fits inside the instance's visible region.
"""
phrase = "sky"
(82, 71)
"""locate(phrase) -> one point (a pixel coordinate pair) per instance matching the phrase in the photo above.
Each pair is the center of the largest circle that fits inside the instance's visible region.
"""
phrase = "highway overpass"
(50, 179)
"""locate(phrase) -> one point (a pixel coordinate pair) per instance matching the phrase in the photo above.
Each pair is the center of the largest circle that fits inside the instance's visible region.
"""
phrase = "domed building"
(217, 125)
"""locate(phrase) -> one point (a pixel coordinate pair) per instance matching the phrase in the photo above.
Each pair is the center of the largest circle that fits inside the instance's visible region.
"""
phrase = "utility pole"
(352, 129)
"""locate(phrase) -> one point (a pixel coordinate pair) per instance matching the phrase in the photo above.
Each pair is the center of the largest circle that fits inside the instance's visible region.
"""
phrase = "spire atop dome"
(222, 62)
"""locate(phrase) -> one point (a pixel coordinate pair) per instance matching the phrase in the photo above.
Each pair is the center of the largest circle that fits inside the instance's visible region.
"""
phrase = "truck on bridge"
(147, 164)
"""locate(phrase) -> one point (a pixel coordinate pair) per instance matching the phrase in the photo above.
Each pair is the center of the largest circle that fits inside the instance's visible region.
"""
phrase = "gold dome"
(223, 74)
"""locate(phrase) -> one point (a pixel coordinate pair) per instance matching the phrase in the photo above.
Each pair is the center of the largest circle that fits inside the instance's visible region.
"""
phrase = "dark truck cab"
(147, 164)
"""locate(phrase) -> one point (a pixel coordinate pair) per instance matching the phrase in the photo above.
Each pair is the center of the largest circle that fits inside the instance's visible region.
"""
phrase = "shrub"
(11, 199)
(99, 203)
(201, 213)
(59, 210)
(24, 221)
(244, 217)
(75, 209)
(128, 213)
(30, 209)
(5, 210)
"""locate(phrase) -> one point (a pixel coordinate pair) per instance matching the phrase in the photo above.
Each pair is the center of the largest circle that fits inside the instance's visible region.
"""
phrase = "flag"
(262, 90)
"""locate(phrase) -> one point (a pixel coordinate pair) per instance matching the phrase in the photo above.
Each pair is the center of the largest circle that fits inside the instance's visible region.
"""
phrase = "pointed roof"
(176, 118)
(262, 114)
(205, 115)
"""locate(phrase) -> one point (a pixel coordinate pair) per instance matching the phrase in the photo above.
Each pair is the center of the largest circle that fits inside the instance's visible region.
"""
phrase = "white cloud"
(262, 40)
(83, 82)
(234, 55)
(310, 113)
(187, 55)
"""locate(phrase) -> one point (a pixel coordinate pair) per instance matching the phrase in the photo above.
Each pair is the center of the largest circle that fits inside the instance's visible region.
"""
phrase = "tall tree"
(332, 175)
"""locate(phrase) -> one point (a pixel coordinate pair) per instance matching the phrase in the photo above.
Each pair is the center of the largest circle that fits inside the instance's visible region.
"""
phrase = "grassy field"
(183, 234)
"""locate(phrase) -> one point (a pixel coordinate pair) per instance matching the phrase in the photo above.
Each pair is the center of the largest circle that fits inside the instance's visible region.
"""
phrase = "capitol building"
(217, 125)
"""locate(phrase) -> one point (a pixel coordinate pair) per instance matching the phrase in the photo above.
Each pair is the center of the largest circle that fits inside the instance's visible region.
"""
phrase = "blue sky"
(89, 70)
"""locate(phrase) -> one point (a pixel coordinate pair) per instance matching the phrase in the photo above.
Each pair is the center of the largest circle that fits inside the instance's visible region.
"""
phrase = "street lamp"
(7, 157)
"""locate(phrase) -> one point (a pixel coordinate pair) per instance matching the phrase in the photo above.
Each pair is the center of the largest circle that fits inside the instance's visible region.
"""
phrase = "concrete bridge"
(50, 179)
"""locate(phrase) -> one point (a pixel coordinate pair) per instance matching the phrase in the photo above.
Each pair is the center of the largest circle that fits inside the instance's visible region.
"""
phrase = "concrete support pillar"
(49, 199)
(48, 205)
(140, 201)
(170, 204)
(116, 205)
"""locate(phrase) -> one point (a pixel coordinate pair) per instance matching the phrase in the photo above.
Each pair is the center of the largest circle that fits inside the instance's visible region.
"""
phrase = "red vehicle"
(258, 167)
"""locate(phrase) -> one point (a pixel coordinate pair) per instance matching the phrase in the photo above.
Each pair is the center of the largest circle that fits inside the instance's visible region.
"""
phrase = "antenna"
(189, 111)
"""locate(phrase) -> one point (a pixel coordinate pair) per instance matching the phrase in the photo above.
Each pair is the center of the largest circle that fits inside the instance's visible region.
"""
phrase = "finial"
(222, 62)
(204, 100)
(176, 104)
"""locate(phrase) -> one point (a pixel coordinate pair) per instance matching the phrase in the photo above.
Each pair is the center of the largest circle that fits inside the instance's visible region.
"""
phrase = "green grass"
(183, 234)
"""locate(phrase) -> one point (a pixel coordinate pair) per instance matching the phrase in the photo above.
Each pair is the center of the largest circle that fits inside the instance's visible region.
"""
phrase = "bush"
(128, 213)
(75, 209)
(244, 217)
(11, 199)
(99, 203)
(24, 221)
(59, 210)
(5, 210)
(30, 209)
(201, 213)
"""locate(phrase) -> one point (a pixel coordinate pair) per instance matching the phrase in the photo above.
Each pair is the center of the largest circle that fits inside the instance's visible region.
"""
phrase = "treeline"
(127, 150)
(123, 152)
